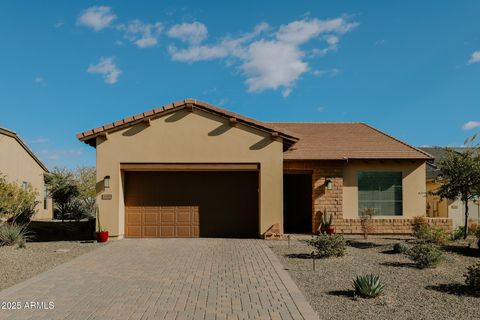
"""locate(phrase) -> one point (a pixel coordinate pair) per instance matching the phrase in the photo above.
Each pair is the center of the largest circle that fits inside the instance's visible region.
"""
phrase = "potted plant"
(330, 227)
(102, 233)
(326, 224)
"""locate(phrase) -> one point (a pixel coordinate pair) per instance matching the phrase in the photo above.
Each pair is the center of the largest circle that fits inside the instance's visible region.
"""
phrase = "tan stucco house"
(20, 165)
(190, 169)
(445, 208)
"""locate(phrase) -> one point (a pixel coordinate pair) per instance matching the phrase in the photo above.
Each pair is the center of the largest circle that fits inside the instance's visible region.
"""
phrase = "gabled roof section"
(89, 136)
(13, 135)
(343, 141)
(438, 153)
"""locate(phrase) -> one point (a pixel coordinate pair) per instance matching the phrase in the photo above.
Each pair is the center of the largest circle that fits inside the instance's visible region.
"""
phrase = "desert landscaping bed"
(18, 264)
(410, 293)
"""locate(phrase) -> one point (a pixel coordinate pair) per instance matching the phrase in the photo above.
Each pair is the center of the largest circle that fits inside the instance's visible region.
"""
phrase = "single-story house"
(445, 208)
(20, 165)
(190, 169)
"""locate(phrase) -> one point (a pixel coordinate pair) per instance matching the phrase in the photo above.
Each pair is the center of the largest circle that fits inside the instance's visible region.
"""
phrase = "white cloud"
(198, 53)
(40, 81)
(470, 125)
(96, 18)
(475, 57)
(301, 31)
(39, 140)
(228, 47)
(271, 60)
(56, 155)
(192, 33)
(271, 64)
(107, 68)
(142, 34)
(328, 72)
(59, 24)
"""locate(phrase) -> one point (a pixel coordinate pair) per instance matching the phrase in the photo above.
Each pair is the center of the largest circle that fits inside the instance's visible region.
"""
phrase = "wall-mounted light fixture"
(329, 184)
(106, 182)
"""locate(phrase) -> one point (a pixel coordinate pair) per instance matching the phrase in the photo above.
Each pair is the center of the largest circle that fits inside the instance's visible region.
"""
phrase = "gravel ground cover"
(410, 293)
(17, 264)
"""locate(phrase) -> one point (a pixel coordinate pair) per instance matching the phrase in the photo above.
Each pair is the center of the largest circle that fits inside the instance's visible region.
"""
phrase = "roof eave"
(89, 137)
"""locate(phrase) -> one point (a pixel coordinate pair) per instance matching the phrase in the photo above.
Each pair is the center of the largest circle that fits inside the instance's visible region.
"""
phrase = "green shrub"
(17, 204)
(425, 255)
(457, 234)
(11, 234)
(368, 286)
(400, 247)
(427, 233)
(472, 277)
(329, 246)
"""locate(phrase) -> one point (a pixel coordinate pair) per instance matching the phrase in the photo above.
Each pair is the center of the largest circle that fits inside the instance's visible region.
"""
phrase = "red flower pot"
(330, 230)
(323, 229)
(102, 236)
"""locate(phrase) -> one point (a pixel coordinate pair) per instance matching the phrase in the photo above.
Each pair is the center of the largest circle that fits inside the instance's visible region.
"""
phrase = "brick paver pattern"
(163, 279)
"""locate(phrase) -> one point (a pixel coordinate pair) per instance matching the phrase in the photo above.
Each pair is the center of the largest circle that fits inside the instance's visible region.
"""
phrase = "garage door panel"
(167, 216)
(166, 231)
(150, 217)
(134, 231)
(134, 216)
(150, 231)
(184, 218)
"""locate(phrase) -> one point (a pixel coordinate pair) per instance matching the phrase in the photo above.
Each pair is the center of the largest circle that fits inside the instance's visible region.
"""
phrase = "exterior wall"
(436, 207)
(445, 208)
(342, 199)
(413, 185)
(189, 137)
(18, 166)
(324, 200)
(391, 226)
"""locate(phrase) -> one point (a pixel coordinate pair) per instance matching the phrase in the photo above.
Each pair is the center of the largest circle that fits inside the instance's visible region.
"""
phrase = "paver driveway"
(165, 279)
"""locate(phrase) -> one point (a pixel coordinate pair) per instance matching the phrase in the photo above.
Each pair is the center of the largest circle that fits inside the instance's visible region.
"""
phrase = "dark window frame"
(382, 191)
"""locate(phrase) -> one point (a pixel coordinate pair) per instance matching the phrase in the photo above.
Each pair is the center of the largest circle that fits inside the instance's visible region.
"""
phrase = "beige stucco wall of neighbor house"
(413, 184)
(453, 209)
(189, 137)
(18, 166)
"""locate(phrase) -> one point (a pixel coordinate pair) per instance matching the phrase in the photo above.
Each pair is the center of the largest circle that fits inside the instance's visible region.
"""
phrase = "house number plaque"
(106, 197)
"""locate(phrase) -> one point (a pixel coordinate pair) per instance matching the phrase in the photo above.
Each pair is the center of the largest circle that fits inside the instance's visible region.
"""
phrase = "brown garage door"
(153, 222)
(191, 204)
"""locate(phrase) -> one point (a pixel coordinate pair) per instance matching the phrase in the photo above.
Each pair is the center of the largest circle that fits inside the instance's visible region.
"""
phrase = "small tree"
(17, 204)
(366, 221)
(460, 176)
(63, 189)
(86, 183)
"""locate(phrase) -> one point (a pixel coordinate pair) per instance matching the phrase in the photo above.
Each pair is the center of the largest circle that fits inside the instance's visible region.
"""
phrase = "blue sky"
(409, 68)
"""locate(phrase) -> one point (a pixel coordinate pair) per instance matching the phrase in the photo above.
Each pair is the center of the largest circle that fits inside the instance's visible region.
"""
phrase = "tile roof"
(337, 141)
(438, 153)
(302, 141)
(90, 135)
(13, 135)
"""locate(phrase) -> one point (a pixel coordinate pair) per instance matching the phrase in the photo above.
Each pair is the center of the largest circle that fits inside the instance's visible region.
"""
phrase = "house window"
(25, 185)
(381, 191)
(45, 198)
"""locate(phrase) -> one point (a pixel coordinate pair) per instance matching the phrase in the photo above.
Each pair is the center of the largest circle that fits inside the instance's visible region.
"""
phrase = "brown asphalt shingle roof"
(340, 141)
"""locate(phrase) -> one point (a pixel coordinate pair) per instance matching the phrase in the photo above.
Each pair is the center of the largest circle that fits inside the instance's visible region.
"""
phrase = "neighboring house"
(191, 169)
(436, 207)
(19, 164)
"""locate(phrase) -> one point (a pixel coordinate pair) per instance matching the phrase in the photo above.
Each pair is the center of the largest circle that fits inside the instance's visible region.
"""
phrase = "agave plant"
(11, 234)
(368, 286)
